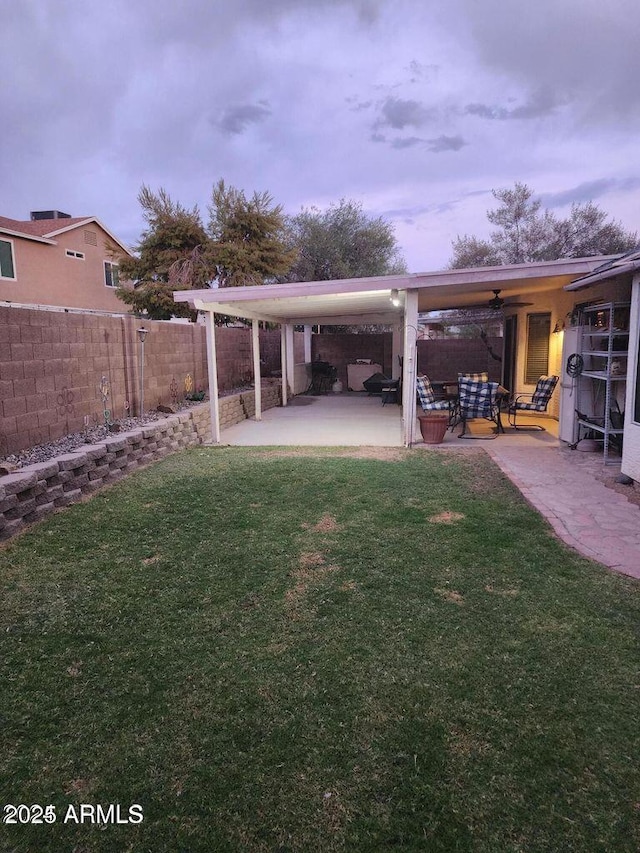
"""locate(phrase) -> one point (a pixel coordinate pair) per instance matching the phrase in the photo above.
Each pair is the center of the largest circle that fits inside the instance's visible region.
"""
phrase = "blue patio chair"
(427, 397)
(478, 400)
(536, 402)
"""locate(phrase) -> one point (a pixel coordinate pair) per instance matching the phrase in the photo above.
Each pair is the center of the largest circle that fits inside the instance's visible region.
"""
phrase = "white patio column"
(212, 368)
(283, 362)
(409, 367)
(257, 379)
(397, 344)
(291, 359)
(307, 344)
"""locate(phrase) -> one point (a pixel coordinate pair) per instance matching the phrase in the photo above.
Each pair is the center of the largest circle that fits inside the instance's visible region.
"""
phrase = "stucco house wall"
(631, 447)
(559, 304)
(46, 275)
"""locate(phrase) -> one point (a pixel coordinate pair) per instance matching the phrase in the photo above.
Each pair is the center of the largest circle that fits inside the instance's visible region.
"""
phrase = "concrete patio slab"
(348, 420)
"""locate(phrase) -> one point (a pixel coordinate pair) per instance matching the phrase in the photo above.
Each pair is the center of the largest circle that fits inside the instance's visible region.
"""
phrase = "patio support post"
(212, 368)
(307, 344)
(257, 380)
(409, 367)
(283, 362)
(291, 361)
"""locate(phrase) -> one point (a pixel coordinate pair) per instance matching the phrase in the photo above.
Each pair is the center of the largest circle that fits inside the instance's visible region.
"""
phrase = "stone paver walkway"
(595, 520)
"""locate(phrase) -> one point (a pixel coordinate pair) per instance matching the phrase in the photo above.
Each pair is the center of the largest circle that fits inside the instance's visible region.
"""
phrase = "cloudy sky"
(415, 108)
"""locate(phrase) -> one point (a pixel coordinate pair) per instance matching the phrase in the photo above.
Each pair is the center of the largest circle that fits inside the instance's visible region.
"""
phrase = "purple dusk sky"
(415, 108)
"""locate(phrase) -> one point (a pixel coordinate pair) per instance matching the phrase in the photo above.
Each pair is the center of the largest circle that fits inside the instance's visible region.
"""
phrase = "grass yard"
(317, 651)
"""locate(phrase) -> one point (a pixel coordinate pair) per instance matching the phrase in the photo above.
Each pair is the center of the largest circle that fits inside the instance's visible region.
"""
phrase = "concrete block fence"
(35, 491)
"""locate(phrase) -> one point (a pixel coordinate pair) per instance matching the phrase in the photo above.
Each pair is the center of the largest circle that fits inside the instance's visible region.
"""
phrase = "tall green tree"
(248, 239)
(173, 232)
(526, 232)
(342, 242)
(245, 242)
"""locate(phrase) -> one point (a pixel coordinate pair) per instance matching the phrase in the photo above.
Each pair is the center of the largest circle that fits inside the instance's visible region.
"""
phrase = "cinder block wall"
(34, 492)
(51, 364)
(341, 350)
(444, 358)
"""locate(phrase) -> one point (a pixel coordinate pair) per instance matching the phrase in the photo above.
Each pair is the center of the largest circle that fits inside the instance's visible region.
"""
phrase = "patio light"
(395, 298)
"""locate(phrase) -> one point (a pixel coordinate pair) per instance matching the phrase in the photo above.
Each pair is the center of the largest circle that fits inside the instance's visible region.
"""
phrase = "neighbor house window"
(110, 274)
(538, 333)
(72, 254)
(7, 267)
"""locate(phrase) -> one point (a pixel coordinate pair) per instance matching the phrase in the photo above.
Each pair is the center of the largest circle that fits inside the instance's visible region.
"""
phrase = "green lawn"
(316, 651)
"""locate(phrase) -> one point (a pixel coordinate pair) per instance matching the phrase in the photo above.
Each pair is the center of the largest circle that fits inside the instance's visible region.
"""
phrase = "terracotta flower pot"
(433, 428)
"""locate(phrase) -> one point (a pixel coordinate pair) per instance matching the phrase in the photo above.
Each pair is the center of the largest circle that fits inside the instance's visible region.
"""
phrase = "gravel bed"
(91, 435)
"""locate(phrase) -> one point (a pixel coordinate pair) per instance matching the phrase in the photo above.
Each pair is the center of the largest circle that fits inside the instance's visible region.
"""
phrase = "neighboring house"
(58, 260)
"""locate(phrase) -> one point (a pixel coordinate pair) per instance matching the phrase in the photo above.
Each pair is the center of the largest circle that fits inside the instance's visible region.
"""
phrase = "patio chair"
(536, 402)
(477, 377)
(478, 400)
(427, 397)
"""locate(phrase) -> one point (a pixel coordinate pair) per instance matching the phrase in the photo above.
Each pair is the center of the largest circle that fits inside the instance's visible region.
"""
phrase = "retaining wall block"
(8, 503)
(44, 470)
(21, 509)
(15, 483)
(11, 528)
(71, 461)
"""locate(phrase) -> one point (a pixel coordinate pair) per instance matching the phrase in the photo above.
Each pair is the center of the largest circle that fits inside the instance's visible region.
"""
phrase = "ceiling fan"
(497, 302)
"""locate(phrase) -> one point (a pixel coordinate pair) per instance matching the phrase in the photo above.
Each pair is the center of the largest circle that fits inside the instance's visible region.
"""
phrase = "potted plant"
(433, 426)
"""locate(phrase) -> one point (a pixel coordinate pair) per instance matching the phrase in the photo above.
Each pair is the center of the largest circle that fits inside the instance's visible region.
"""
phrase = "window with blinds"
(538, 334)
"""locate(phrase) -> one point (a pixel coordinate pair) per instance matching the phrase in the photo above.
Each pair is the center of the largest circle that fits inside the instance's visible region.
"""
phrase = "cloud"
(445, 143)
(408, 142)
(398, 114)
(590, 191)
(238, 118)
(540, 104)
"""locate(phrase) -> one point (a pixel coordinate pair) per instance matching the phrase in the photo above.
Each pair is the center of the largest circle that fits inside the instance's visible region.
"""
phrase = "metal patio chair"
(427, 397)
(478, 400)
(536, 402)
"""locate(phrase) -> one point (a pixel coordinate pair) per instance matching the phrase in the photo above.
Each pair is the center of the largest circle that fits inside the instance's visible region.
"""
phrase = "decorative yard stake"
(104, 393)
(173, 391)
(188, 384)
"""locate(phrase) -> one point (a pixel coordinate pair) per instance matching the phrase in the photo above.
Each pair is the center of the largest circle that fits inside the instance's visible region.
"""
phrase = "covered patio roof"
(396, 300)
(358, 300)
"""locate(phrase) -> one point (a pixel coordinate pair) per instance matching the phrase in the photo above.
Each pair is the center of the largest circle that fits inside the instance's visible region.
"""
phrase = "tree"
(172, 233)
(342, 242)
(525, 232)
(244, 243)
(248, 240)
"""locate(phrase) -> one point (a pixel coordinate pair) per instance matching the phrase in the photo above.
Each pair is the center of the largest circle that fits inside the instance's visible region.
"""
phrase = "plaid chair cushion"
(427, 397)
(544, 390)
(477, 377)
(540, 397)
(477, 399)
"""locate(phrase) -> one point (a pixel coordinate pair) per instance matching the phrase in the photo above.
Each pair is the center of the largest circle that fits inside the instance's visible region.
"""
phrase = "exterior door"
(509, 357)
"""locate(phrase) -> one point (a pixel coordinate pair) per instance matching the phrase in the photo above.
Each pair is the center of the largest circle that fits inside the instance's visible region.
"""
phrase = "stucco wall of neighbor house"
(51, 365)
(46, 276)
(631, 445)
